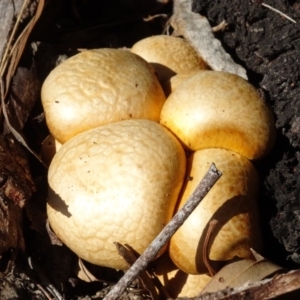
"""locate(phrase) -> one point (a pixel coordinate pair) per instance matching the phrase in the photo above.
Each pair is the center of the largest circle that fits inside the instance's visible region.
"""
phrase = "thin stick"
(210, 178)
(279, 12)
(46, 294)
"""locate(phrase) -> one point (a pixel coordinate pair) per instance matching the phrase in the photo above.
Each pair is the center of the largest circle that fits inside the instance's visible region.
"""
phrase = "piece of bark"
(16, 186)
(197, 31)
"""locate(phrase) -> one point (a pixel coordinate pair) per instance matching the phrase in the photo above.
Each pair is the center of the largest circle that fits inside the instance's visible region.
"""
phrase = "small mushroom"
(115, 183)
(176, 282)
(232, 202)
(168, 55)
(98, 87)
(220, 110)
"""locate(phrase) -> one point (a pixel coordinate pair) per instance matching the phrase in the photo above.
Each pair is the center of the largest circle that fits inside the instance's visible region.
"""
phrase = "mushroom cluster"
(118, 173)
(122, 170)
(221, 119)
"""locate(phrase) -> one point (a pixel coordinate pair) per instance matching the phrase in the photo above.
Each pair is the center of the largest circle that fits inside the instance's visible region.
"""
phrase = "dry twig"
(153, 249)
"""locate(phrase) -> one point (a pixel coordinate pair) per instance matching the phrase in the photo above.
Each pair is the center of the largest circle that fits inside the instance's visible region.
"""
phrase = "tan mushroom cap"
(176, 282)
(220, 110)
(98, 87)
(168, 55)
(114, 183)
(232, 202)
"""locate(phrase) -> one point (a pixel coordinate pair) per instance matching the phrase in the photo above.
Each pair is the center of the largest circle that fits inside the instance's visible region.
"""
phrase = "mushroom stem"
(208, 181)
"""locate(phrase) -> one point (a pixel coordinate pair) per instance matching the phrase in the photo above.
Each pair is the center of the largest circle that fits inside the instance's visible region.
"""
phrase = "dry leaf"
(196, 29)
(241, 272)
(83, 273)
(52, 236)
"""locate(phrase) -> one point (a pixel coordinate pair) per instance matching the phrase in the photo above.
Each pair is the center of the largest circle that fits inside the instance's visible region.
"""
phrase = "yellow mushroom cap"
(232, 202)
(98, 87)
(176, 282)
(220, 110)
(168, 55)
(114, 183)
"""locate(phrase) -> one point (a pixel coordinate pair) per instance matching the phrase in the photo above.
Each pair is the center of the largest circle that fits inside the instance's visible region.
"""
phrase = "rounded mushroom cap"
(231, 201)
(114, 183)
(220, 110)
(168, 55)
(99, 87)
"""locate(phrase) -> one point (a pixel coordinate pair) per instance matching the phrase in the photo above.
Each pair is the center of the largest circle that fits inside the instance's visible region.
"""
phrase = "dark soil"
(264, 42)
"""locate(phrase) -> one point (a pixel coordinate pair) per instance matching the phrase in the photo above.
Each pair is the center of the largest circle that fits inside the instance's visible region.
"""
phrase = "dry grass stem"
(279, 12)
